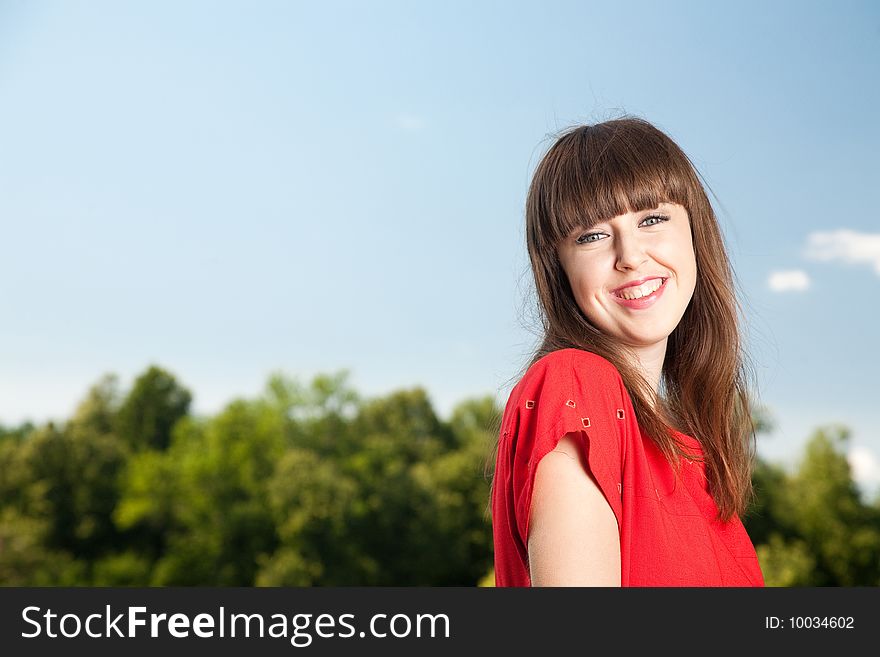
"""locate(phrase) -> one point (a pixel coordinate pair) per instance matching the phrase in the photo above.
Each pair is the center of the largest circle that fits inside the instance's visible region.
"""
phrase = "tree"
(207, 496)
(811, 527)
(316, 507)
(152, 408)
(825, 506)
(97, 413)
(18, 433)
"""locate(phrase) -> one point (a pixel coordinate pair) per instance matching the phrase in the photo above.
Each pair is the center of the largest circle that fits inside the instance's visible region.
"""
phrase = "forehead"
(585, 181)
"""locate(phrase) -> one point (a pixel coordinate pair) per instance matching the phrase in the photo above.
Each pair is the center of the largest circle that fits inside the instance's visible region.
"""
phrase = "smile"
(645, 301)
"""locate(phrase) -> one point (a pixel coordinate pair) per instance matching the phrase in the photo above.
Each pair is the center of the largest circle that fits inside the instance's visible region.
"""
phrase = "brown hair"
(591, 174)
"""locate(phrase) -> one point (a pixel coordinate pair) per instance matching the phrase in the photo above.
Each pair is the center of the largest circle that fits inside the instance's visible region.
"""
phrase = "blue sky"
(229, 188)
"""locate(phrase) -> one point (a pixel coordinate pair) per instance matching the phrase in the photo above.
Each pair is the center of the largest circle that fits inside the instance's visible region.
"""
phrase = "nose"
(630, 252)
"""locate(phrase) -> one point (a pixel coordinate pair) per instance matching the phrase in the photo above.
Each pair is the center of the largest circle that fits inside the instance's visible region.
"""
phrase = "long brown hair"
(591, 174)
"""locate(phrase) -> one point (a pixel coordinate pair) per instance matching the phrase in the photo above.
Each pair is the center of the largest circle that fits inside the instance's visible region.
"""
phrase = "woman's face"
(650, 244)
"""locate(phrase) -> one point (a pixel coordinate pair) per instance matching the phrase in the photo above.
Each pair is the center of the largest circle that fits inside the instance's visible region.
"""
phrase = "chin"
(644, 340)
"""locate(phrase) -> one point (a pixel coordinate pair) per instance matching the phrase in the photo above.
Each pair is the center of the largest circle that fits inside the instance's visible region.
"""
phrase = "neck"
(650, 361)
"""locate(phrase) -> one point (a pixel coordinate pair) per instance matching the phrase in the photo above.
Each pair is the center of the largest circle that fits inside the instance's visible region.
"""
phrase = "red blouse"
(669, 535)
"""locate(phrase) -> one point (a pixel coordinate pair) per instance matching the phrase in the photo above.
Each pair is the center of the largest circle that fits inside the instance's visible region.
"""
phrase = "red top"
(669, 534)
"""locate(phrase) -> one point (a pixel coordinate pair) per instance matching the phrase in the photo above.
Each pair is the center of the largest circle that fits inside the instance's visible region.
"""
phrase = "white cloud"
(786, 281)
(410, 123)
(845, 246)
(865, 466)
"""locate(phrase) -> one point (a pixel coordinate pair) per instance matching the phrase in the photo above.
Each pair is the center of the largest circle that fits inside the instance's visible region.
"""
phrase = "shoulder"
(568, 401)
(571, 368)
(573, 357)
(565, 379)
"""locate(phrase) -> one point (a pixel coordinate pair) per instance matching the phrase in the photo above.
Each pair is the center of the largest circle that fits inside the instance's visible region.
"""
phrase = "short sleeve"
(567, 391)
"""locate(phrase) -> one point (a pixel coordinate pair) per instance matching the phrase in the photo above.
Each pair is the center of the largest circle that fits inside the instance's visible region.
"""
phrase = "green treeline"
(311, 485)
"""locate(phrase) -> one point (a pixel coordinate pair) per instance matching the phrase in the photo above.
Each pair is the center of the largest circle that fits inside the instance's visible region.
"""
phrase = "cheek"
(580, 290)
(691, 259)
(683, 259)
(688, 273)
(587, 289)
(587, 281)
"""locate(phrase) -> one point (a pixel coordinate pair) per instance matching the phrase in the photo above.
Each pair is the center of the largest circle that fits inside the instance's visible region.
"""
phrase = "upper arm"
(574, 539)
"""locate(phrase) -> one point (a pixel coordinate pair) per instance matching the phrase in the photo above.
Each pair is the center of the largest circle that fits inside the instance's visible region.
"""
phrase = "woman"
(625, 450)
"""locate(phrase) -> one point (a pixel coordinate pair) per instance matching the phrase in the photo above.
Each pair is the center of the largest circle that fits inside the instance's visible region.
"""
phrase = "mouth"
(644, 301)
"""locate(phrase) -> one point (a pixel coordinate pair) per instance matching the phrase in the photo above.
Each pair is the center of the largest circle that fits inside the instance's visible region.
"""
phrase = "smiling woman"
(625, 450)
(634, 260)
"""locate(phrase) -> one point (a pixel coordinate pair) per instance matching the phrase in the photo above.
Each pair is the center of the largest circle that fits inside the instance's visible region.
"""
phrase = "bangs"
(593, 174)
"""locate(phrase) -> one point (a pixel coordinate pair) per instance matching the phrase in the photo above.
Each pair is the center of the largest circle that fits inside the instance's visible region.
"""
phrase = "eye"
(659, 217)
(588, 238)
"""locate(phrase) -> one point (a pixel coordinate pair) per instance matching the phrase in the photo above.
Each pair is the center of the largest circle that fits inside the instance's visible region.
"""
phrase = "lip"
(638, 281)
(644, 302)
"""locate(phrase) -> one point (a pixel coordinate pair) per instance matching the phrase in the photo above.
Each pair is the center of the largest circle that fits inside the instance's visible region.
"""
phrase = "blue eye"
(586, 237)
(659, 217)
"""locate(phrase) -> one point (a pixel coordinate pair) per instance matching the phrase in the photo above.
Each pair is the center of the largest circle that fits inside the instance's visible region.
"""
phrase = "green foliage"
(767, 514)
(811, 527)
(786, 563)
(203, 501)
(69, 483)
(396, 502)
(487, 580)
(314, 506)
(151, 409)
(123, 569)
(25, 558)
(825, 506)
(97, 413)
(16, 434)
(310, 485)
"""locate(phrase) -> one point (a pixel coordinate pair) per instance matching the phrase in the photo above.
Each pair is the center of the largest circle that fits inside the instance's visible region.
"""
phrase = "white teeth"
(642, 290)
